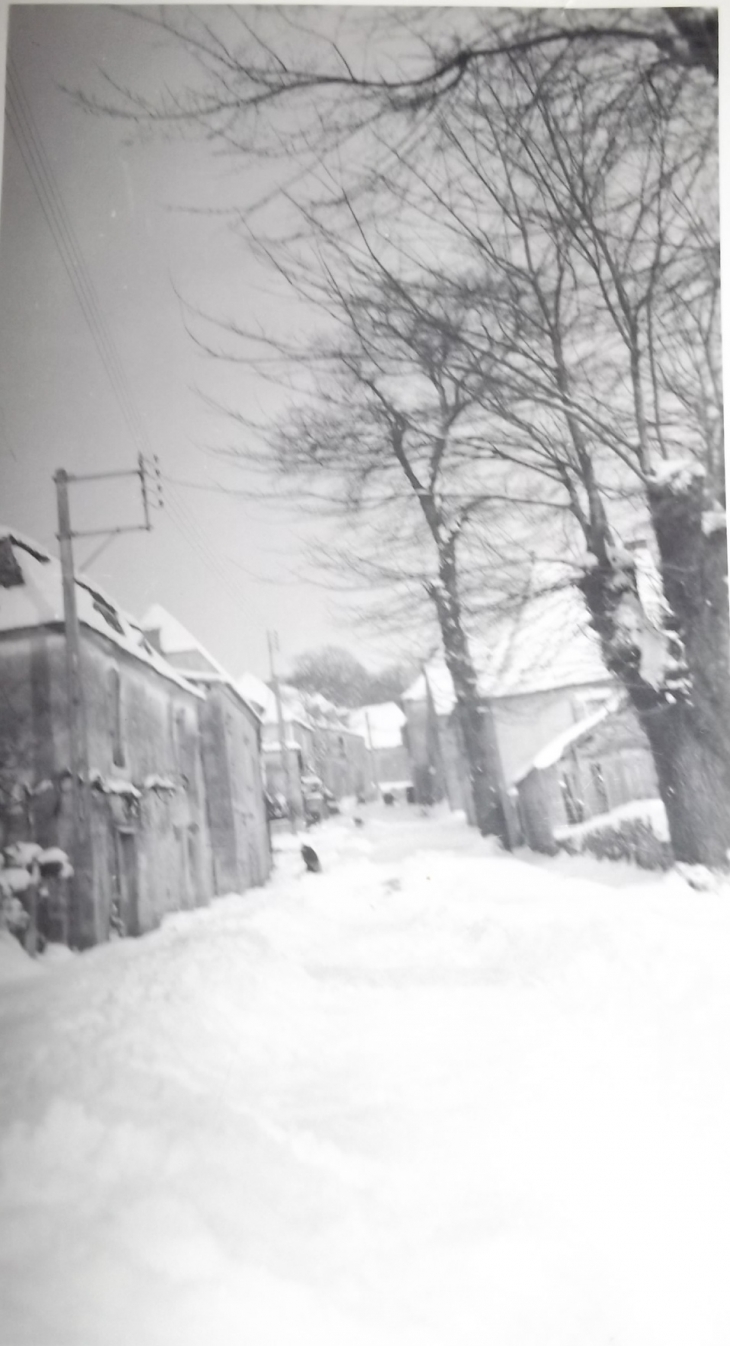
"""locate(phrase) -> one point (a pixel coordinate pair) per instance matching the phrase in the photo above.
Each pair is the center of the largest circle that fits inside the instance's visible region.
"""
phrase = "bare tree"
(593, 220)
(601, 209)
(337, 674)
(386, 431)
(252, 59)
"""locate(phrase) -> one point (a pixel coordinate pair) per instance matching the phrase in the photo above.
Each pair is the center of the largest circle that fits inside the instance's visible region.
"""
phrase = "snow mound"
(15, 963)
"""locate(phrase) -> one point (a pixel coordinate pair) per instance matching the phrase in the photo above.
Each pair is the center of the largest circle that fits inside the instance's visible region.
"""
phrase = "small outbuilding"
(601, 763)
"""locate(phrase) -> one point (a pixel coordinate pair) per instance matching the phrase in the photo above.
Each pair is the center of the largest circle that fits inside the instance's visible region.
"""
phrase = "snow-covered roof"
(546, 644)
(309, 709)
(439, 686)
(175, 640)
(379, 725)
(38, 601)
(558, 746)
(262, 697)
(255, 691)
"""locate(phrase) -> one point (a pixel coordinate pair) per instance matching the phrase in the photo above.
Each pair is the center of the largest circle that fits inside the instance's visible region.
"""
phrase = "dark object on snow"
(358, 822)
(311, 859)
(388, 798)
(410, 794)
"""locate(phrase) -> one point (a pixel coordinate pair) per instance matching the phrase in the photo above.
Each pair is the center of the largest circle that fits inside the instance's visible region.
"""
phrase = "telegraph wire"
(51, 201)
(45, 185)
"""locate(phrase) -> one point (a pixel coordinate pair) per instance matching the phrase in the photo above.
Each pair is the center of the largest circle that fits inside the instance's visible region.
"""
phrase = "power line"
(195, 540)
(45, 185)
(40, 172)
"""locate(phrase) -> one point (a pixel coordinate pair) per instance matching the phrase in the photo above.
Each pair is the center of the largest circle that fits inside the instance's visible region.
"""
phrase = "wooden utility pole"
(273, 642)
(373, 759)
(433, 740)
(82, 926)
(83, 921)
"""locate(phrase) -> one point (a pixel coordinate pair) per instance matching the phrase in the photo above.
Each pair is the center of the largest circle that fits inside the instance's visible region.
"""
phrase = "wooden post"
(30, 939)
(433, 738)
(82, 916)
(373, 762)
(283, 746)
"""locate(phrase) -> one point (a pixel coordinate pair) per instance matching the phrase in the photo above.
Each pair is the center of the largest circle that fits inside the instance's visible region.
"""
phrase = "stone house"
(144, 846)
(341, 758)
(230, 744)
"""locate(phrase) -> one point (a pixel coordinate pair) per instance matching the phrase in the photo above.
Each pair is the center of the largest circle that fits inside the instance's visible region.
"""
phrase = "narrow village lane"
(434, 1094)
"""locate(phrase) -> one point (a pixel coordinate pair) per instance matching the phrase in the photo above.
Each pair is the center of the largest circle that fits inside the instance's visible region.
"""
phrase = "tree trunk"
(474, 717)
(685, 711)
(694, 784)
(692, 541)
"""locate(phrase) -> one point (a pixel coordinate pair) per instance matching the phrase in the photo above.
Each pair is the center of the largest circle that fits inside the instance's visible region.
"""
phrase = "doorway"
(128, 880)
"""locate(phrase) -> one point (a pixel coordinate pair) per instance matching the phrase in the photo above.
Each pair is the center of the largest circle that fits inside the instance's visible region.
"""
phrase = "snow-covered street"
(433, 1095)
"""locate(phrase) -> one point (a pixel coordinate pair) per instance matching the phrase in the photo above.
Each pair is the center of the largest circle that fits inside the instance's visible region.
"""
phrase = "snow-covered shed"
(145, 849)
(230, 741)
(539, 669)
(590, 769)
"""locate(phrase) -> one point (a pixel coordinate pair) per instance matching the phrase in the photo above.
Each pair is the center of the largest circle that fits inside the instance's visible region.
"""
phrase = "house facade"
(381, 728)
(231, 753)
(341, 758)
(143, 848)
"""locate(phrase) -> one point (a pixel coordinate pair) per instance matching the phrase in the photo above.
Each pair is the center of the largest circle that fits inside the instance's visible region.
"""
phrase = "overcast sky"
(226, 568)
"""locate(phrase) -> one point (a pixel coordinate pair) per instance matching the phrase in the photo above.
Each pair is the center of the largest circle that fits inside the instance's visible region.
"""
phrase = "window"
(180, 739)
(115, 716)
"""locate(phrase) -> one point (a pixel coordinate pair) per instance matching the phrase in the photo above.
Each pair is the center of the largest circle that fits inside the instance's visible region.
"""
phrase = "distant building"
(320, 744)
(382, 729)
(540, 671)
(148, 845)
(282, 774)
(230, 741)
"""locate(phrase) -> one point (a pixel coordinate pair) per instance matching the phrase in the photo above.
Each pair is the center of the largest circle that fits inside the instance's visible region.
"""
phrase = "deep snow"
(434, 1096)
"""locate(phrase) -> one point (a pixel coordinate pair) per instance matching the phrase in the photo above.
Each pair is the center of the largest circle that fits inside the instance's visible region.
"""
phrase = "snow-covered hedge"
(25, 868)
(632, 839)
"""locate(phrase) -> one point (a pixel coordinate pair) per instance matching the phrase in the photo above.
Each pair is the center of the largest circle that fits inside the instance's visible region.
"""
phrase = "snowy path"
(431, 1097)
